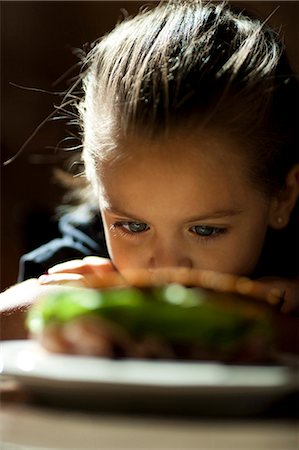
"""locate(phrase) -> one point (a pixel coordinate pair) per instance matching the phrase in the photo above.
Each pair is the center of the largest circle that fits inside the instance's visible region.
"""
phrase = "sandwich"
(167, 315)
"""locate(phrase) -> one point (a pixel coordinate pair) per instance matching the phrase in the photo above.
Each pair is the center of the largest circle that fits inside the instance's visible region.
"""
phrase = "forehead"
(181, 151)
(204, 167)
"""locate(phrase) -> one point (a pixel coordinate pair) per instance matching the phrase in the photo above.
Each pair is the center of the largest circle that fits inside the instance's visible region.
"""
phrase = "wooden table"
(28, 426)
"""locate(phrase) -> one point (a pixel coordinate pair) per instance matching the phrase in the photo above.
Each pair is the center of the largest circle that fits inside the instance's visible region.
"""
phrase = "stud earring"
(279, 220)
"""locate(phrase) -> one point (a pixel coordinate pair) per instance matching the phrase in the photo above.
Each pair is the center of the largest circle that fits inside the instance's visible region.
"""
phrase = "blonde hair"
(191, 61)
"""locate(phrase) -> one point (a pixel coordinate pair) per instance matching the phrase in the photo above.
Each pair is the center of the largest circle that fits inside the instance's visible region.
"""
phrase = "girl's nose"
(171, 258)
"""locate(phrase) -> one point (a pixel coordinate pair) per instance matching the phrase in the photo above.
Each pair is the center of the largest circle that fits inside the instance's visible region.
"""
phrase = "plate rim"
(286, 379)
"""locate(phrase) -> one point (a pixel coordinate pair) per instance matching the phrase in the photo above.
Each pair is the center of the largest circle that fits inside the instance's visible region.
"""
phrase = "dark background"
(37, 47)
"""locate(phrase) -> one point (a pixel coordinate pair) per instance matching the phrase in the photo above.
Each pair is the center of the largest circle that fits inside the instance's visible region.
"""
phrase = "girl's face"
(185, 201)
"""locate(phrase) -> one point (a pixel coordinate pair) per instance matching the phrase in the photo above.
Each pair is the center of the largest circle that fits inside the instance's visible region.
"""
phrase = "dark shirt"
(82, 235)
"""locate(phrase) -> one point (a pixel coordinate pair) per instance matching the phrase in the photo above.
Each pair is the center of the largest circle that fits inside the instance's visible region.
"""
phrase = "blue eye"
(206, 230)
(133, 227)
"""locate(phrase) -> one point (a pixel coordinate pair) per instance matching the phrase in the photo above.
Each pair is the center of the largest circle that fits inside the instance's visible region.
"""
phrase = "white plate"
(90, 379)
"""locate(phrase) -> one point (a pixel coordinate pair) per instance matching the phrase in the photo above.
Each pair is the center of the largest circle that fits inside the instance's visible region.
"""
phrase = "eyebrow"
(221, 213)
(217, 214)
(119, 212)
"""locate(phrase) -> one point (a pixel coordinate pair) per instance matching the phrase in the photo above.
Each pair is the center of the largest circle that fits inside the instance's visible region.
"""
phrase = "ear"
(284, 201)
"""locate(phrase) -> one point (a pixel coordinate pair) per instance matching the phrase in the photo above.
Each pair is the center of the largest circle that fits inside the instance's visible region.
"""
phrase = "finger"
(269, 293)
(97, 263)
(100, 280)
(82, 266)
(288, 293)
(66, 279)
(104, 279)
(67, 267)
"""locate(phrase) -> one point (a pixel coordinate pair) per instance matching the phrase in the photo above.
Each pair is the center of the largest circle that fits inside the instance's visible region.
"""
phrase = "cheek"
(123, 253)
(126, 256)
(238, 254)
(248, 242)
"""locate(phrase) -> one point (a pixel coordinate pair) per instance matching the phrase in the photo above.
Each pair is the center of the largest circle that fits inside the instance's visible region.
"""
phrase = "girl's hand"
(286, 324)
(15, 301)
(289, 293)
(89, 264)
(14, 304)
(91, 271)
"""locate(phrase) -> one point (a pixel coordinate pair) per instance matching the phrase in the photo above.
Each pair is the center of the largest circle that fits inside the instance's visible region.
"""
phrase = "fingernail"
(43, 279)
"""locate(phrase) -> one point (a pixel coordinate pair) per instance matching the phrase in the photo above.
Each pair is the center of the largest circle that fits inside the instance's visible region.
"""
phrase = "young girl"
(189, 126)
